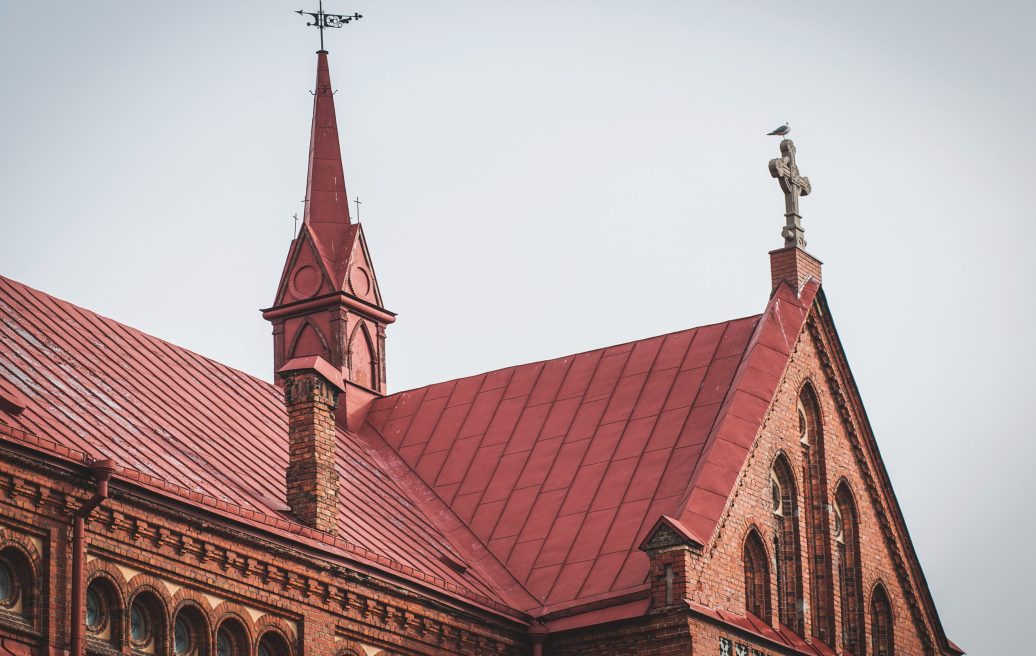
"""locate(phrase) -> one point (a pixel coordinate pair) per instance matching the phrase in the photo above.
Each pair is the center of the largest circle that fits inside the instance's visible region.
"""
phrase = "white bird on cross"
(780, 132)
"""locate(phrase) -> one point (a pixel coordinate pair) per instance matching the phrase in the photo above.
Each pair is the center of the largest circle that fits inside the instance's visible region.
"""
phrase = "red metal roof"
(530, 487)
(110, 391)
(561, 466)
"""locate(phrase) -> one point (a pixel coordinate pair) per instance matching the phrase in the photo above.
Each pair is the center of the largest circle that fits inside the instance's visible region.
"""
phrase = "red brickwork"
(793, 266)
(312, 481)
(717, 573)
(214, 571)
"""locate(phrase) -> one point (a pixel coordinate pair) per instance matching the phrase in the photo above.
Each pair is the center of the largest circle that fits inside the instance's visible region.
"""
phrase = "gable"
(851, 463)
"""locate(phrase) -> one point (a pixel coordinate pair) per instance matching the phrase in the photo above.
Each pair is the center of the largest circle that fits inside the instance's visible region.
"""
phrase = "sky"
(543, 178)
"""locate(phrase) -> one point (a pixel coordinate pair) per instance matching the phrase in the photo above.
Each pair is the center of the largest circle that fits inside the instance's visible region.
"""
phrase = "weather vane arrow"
(322, 20)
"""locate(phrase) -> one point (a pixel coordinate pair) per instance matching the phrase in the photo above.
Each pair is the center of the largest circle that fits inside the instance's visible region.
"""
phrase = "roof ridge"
(572, 355)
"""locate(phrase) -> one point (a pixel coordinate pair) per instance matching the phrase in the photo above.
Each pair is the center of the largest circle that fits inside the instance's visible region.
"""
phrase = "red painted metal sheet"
(560, 467)
(110, 391)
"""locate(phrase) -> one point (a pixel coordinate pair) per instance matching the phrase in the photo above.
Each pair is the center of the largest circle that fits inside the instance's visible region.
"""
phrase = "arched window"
(361, 358)
(850, 572)
(790, 605)
(17, 586)
(811, 436)
(102, 611)
(882, 637)
(757, 577)
(190, 632)
(231, 639)
(146, 622)
(273, 643)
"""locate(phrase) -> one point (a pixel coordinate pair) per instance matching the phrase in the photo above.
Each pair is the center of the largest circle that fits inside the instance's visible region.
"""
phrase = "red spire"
(327, 204)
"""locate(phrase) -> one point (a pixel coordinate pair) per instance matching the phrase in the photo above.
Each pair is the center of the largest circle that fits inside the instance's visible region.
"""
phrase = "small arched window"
(102, 611)
(273, 644)
(757, 577)
(882, 637)
(850, 571)
(190, 632)
(17, 585)
(231, 639)
(790, 603)
(146, 622)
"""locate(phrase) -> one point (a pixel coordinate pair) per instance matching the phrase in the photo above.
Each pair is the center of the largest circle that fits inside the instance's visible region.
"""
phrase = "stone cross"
(794, 185)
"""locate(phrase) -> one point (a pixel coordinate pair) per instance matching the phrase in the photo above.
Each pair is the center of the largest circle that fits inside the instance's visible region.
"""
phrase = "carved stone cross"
(794, 185)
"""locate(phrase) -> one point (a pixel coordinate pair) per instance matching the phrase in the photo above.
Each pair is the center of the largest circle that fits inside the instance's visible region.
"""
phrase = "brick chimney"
(311, 389)
(794, 266)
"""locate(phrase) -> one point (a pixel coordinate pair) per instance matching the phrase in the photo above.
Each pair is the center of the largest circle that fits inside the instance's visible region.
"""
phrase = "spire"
(328, 307)
(327, 203)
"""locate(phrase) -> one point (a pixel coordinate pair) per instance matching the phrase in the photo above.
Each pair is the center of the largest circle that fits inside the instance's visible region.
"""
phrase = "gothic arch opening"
(850, 570)
(308, 341)
(882, 637)
(362, 362)
(788, 555)
(757, 577)
(811, 436)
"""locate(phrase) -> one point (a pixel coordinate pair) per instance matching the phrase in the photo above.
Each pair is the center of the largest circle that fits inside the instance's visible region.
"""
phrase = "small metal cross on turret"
(322, 20)
(794, 185)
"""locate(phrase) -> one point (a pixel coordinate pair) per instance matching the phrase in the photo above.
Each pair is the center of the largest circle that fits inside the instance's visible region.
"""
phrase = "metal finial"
(358, 203)
(793, 185)
(322, 20)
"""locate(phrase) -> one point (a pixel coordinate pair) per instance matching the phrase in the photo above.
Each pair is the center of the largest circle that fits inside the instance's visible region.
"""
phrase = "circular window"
(8, 587)
(181, 637)
(96, 617)
(775, 496)
(140, 624)
(263, 651)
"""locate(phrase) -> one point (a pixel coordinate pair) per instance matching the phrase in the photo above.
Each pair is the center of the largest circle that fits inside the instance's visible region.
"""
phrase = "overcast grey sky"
(541, 178)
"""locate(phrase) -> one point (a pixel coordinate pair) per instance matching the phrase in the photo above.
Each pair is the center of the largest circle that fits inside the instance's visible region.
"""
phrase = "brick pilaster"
(312, 480)
(670, 573)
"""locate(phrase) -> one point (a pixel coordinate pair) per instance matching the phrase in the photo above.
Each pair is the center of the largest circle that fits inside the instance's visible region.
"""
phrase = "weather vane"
(322, 20)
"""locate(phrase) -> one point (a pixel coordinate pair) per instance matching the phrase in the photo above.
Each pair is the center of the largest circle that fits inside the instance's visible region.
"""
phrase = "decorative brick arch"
(28, 569)
(350, 648)
(198, 614)
(269, 625)
(116, 592)
(155, 593)
(236, 614)
(757, 575)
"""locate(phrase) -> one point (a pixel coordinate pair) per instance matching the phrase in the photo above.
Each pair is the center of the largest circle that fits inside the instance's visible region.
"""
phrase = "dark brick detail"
(312, 480)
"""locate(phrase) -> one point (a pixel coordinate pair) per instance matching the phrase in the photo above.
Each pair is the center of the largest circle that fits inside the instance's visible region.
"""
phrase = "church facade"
(716, 490)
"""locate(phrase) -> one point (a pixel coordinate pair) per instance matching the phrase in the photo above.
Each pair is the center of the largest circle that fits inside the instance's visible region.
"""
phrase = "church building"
(714, 491)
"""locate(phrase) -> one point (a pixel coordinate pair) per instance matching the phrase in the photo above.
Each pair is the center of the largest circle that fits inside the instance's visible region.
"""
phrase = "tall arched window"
(850, 572)
(17, 587)
(786, 546)
(811, 436)
(882, 637)
(757, 577)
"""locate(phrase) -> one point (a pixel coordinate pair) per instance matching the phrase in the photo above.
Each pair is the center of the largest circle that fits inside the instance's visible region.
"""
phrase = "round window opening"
(140, 624)
(96, 618)
(182, 643)
(8, 588)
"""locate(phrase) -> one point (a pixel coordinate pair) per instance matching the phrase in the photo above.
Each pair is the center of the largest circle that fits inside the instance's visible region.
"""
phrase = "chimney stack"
(311, 389)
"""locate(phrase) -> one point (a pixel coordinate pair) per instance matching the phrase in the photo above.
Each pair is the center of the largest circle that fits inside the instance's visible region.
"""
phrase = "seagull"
(780, 132)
